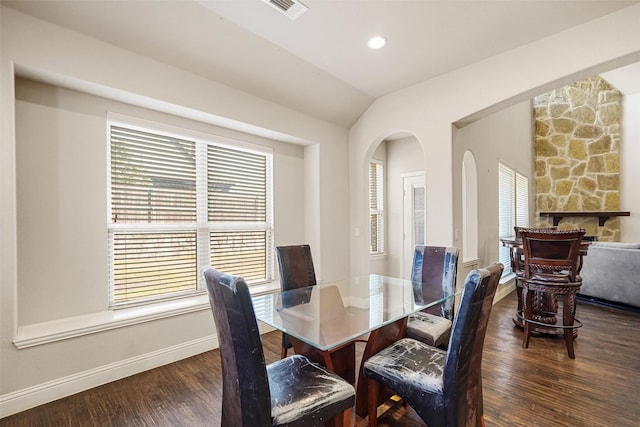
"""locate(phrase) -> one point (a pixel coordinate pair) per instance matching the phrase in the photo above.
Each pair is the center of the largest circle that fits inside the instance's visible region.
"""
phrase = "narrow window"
(376, 207)
(513, 199)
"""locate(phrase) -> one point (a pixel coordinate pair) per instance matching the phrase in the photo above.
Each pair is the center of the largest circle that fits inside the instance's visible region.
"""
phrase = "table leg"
(378, 340)
(341, 360)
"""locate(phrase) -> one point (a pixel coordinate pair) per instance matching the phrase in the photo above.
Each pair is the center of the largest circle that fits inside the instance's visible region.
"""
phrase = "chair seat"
(408, 363)
(304, 393)
(414, 371)
(430, 329)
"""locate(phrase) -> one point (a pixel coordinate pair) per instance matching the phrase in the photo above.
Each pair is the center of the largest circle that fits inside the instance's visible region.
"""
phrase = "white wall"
(505, 136)
(403, 156)
(40, 50)
(629, 170)
(399, 157)
(468, 209)
(62, 196)
(427, 110)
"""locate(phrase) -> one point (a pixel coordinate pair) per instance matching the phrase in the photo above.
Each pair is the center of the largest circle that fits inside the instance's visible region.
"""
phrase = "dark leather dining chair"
(296, 271)
(292, 391)
(551, 267)
(433, 275)
(443, 387)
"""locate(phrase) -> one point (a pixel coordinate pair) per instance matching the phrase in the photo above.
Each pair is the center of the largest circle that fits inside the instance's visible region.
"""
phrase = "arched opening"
(402, 214)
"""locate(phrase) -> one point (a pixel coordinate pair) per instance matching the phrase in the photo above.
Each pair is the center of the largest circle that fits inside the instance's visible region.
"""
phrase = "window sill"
(471, 262)
(72, 327)
(507, 278)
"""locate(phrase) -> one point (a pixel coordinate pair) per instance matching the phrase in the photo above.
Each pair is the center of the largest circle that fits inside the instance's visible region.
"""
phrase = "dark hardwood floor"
(539, 386)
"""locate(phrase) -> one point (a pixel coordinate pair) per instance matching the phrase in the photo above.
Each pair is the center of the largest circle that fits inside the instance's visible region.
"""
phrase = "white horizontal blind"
(238, 198)
(376, 300)
(147, 265)
(506, 212)
(522, 200)
(513, 194)
(376, 207)
(153, 178)
(153, 181)
(263, 305)
(177, 205)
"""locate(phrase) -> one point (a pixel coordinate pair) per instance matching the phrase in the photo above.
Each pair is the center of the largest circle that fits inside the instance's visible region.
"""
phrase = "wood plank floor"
(539, 386)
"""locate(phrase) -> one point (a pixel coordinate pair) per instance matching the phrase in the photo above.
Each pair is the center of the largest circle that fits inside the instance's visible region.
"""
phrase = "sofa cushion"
(612, 272)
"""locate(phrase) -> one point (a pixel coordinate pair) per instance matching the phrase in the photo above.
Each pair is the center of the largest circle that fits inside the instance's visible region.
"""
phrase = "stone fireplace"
(577, 157)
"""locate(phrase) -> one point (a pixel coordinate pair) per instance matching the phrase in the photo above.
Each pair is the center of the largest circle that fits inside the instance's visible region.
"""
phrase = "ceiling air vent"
(292, 8)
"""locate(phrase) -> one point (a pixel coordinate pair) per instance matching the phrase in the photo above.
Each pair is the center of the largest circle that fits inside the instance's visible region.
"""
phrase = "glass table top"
(331, 314)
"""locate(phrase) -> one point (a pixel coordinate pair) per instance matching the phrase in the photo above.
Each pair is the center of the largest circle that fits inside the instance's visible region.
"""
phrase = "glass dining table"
(326, 321)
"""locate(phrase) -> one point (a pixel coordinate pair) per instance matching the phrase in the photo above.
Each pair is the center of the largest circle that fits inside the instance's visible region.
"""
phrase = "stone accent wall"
(577, 158)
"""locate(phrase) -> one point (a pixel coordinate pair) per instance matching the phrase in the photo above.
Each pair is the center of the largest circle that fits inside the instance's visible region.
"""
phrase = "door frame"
(410, 180)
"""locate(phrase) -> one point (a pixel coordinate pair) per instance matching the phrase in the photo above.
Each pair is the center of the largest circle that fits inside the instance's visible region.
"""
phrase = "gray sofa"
(611, 272)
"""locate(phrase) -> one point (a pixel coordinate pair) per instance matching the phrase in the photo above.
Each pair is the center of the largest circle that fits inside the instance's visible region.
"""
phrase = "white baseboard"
(30, 397)
(49, 391)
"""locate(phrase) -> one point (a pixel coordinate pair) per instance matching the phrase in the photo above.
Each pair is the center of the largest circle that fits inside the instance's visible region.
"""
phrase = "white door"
(414, 218)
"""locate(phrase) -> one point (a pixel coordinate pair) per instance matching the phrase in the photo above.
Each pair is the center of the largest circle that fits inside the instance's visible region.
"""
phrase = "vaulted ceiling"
(319, 64)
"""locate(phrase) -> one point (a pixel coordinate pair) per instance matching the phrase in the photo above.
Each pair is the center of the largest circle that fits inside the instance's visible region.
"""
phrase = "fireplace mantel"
(602, 216)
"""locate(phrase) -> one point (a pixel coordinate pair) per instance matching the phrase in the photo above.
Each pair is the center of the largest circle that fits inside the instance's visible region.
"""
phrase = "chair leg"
(567, 320)
(283, 352)
(372, 406)
(343, 419)
(527, 314)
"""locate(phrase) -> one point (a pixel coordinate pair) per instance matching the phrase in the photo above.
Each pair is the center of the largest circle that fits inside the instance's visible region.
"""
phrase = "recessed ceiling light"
(376, 42)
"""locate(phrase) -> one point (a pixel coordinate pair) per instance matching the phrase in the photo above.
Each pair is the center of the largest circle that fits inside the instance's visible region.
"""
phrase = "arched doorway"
(402, 159)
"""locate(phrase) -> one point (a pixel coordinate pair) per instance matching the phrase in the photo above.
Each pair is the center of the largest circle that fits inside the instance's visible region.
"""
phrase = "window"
(376, 207)
(513, 195)
(178, 204)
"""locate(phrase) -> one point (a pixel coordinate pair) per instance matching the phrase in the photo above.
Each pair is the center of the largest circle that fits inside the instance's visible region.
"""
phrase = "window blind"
(178, 205)
(506, 211)
(152, 265)
(513, 199)
(376, 299)
(241, 253)
(522, 200)
(238, 194)
(376, 207)
(237, 184)
(153, 178)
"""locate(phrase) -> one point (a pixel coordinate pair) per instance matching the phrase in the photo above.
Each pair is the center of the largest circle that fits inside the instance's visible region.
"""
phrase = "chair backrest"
(296, 271)
(245, 386)
(462, 371)
(517, 230)
(433, 275)
(518, 259)
(550, 251)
